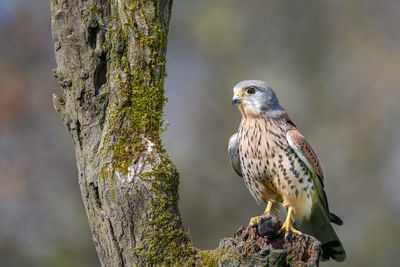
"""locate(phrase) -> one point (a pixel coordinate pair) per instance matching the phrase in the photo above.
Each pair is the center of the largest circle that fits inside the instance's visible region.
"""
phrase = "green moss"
(291, 260)
(213, 257)
(136, 114)
(168, 244)
(93, 7)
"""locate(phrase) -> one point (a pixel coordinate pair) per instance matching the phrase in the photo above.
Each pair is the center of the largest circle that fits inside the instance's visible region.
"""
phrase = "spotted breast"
(271, 170)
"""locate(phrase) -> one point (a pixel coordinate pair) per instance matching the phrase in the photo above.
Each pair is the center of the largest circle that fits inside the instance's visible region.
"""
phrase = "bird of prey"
(278, 165)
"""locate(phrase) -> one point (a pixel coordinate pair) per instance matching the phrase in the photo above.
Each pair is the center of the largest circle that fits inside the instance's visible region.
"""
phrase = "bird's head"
(254, 98)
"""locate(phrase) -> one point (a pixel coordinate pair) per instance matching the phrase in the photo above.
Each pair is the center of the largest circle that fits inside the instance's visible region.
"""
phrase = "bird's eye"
(250, 91)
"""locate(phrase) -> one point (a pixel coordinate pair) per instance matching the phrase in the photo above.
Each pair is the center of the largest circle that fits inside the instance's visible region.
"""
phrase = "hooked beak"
(236, 99)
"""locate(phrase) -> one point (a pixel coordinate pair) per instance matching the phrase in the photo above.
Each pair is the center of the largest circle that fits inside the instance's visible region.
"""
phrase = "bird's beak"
(237, 98)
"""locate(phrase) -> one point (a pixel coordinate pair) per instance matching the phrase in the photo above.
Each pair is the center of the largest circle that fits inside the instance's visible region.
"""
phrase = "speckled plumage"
(278, 165)
(270, 167)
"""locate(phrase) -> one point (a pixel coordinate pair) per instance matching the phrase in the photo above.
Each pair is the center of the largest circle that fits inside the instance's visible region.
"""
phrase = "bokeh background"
(335, 66)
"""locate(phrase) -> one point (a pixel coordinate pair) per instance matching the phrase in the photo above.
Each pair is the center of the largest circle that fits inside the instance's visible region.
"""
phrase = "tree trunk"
(111, 66)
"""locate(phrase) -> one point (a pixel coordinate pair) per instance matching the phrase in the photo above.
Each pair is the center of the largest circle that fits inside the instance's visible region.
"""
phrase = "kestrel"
(278, 165)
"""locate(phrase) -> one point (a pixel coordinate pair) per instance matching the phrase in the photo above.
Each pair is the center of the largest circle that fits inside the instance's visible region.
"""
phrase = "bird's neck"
(278, 114)
(271, 114)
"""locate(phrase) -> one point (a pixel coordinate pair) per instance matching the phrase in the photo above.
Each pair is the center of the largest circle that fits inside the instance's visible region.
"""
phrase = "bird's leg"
(254, 220)
(268, 208)
(287, 224)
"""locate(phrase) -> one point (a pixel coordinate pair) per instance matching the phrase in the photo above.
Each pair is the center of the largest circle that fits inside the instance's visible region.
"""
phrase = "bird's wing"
(318, 224)
(307, 155)
(233, 151)
(304, 151)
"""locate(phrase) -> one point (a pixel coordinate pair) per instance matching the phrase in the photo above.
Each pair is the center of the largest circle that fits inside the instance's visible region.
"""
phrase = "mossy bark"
(111, 66)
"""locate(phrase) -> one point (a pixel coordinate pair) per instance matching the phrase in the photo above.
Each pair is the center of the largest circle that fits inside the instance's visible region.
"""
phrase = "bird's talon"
(287, 229)
(254, 221)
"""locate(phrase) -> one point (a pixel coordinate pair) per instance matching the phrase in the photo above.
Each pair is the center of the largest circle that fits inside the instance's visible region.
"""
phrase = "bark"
(111, 66)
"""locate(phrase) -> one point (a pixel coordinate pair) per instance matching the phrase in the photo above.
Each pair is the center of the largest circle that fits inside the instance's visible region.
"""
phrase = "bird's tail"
(319, 226)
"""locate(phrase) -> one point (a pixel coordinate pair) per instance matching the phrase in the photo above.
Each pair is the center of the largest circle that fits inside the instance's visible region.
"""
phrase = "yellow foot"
(254, 221)
(287, 227)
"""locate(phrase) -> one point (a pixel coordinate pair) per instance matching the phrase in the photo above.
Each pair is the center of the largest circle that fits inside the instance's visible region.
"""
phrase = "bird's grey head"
(255, 98)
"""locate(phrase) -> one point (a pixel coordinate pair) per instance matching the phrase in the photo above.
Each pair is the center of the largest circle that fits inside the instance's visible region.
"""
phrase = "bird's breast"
(269, 163)
(260, 142)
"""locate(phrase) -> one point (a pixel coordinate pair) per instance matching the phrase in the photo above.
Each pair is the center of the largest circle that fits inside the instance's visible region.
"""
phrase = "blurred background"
(335, 66)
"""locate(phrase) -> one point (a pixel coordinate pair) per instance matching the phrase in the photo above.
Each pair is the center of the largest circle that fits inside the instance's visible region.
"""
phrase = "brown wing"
(302, 148)
(305, 152)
